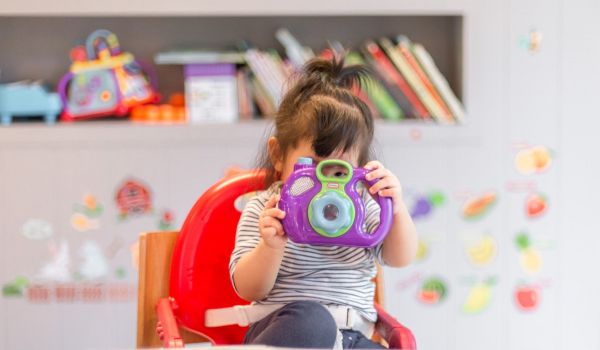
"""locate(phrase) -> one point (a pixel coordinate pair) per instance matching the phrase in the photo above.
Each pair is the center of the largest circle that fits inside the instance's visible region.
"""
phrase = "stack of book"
(405, 82)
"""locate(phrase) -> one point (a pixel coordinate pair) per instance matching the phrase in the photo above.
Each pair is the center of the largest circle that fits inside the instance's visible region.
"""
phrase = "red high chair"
(172, 302)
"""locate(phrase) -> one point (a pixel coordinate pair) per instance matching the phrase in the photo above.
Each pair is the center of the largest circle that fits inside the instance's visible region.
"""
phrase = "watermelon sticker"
(433, 291)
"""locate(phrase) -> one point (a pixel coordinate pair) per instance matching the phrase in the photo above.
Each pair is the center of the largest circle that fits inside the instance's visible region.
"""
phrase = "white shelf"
(228, 7)
(118, 133)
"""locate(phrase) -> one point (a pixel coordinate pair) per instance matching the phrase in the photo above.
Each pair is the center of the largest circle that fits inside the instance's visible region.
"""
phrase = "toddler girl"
(317, 296)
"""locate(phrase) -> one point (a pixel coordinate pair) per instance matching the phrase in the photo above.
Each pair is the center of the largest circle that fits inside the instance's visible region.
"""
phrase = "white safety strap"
(244, 315)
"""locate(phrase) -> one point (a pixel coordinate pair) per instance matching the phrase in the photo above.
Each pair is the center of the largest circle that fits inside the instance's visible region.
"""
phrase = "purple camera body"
(325, 210)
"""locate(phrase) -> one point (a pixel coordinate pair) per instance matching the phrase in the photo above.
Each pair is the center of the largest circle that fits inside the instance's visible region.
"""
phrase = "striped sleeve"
(247, 236)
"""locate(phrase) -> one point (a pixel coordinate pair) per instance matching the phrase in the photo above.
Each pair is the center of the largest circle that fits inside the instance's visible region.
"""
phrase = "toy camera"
(103, 80)
(324, 209)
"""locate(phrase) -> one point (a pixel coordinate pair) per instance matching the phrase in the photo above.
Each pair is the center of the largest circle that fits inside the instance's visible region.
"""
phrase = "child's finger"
(377, 174)
(275, 213)
(380, 185)
(374, 164)
(388, 192)
(271, 202)
(272, 227)
(269, 231)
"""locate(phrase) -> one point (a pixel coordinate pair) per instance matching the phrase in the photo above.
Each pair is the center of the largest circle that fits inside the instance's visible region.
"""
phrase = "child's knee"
(313, 320)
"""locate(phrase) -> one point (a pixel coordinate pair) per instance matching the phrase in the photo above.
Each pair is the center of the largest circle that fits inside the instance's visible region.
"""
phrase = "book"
(211, 92)
(383, 101)
(413, 80)
(439, 81)
(244, 97)
(397, 86)
(404, 45)
(296, 53)
(199, 56)
(263, 101)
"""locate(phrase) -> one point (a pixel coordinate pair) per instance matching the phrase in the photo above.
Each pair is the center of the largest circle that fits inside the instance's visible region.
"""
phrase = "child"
(317, 296)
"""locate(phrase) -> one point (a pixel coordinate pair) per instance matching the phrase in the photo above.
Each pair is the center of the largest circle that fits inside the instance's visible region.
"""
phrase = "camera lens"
(331, 212)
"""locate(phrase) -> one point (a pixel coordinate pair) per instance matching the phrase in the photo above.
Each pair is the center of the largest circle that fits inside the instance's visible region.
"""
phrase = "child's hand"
(269, 225)
(388, 184)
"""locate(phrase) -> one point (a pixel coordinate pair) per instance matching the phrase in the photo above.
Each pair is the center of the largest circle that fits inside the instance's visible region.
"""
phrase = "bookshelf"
(146, 36)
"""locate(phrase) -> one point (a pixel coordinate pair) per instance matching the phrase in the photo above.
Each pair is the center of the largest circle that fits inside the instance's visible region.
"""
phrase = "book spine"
(404, 45)
(392, 77)
(413, 80)
(384, 103)
(262, 73)
(439, 81)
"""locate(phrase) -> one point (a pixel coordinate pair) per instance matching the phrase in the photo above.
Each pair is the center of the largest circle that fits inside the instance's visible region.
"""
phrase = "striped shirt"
(331, 275)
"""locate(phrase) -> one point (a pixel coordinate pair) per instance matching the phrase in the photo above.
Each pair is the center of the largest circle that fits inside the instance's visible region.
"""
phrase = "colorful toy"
(171, 113)
(328, 210)
(103, 81)
(25, 99)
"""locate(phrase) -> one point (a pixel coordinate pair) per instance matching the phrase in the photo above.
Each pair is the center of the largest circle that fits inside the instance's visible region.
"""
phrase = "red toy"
(199, 278)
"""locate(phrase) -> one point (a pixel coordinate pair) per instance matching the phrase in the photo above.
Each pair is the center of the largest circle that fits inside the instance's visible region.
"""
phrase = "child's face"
(304, 149)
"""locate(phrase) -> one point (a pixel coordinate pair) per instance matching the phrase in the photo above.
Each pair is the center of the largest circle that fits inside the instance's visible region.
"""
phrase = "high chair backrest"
(199, 278)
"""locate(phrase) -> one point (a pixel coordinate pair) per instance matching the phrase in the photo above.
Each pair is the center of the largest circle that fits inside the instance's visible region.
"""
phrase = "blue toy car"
(28, 100)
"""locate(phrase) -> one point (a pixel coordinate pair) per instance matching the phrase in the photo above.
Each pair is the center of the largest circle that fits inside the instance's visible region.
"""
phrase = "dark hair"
(321, 107)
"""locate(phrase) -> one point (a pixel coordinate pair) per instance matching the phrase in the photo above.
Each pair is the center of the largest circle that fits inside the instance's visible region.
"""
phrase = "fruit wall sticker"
(477, 206)
(133, 198)
(423, 204)
(86, 214)
(36, 229)
(481, 250)
(167, 221)
(530, 259)
(433, 291)
(527, 297)
(479, 297)
(531, 42)
(533, 160)
(422, 250)
(536, 205)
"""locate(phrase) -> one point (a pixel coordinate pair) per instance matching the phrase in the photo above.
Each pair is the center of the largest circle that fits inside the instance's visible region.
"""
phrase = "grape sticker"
(423, 204)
